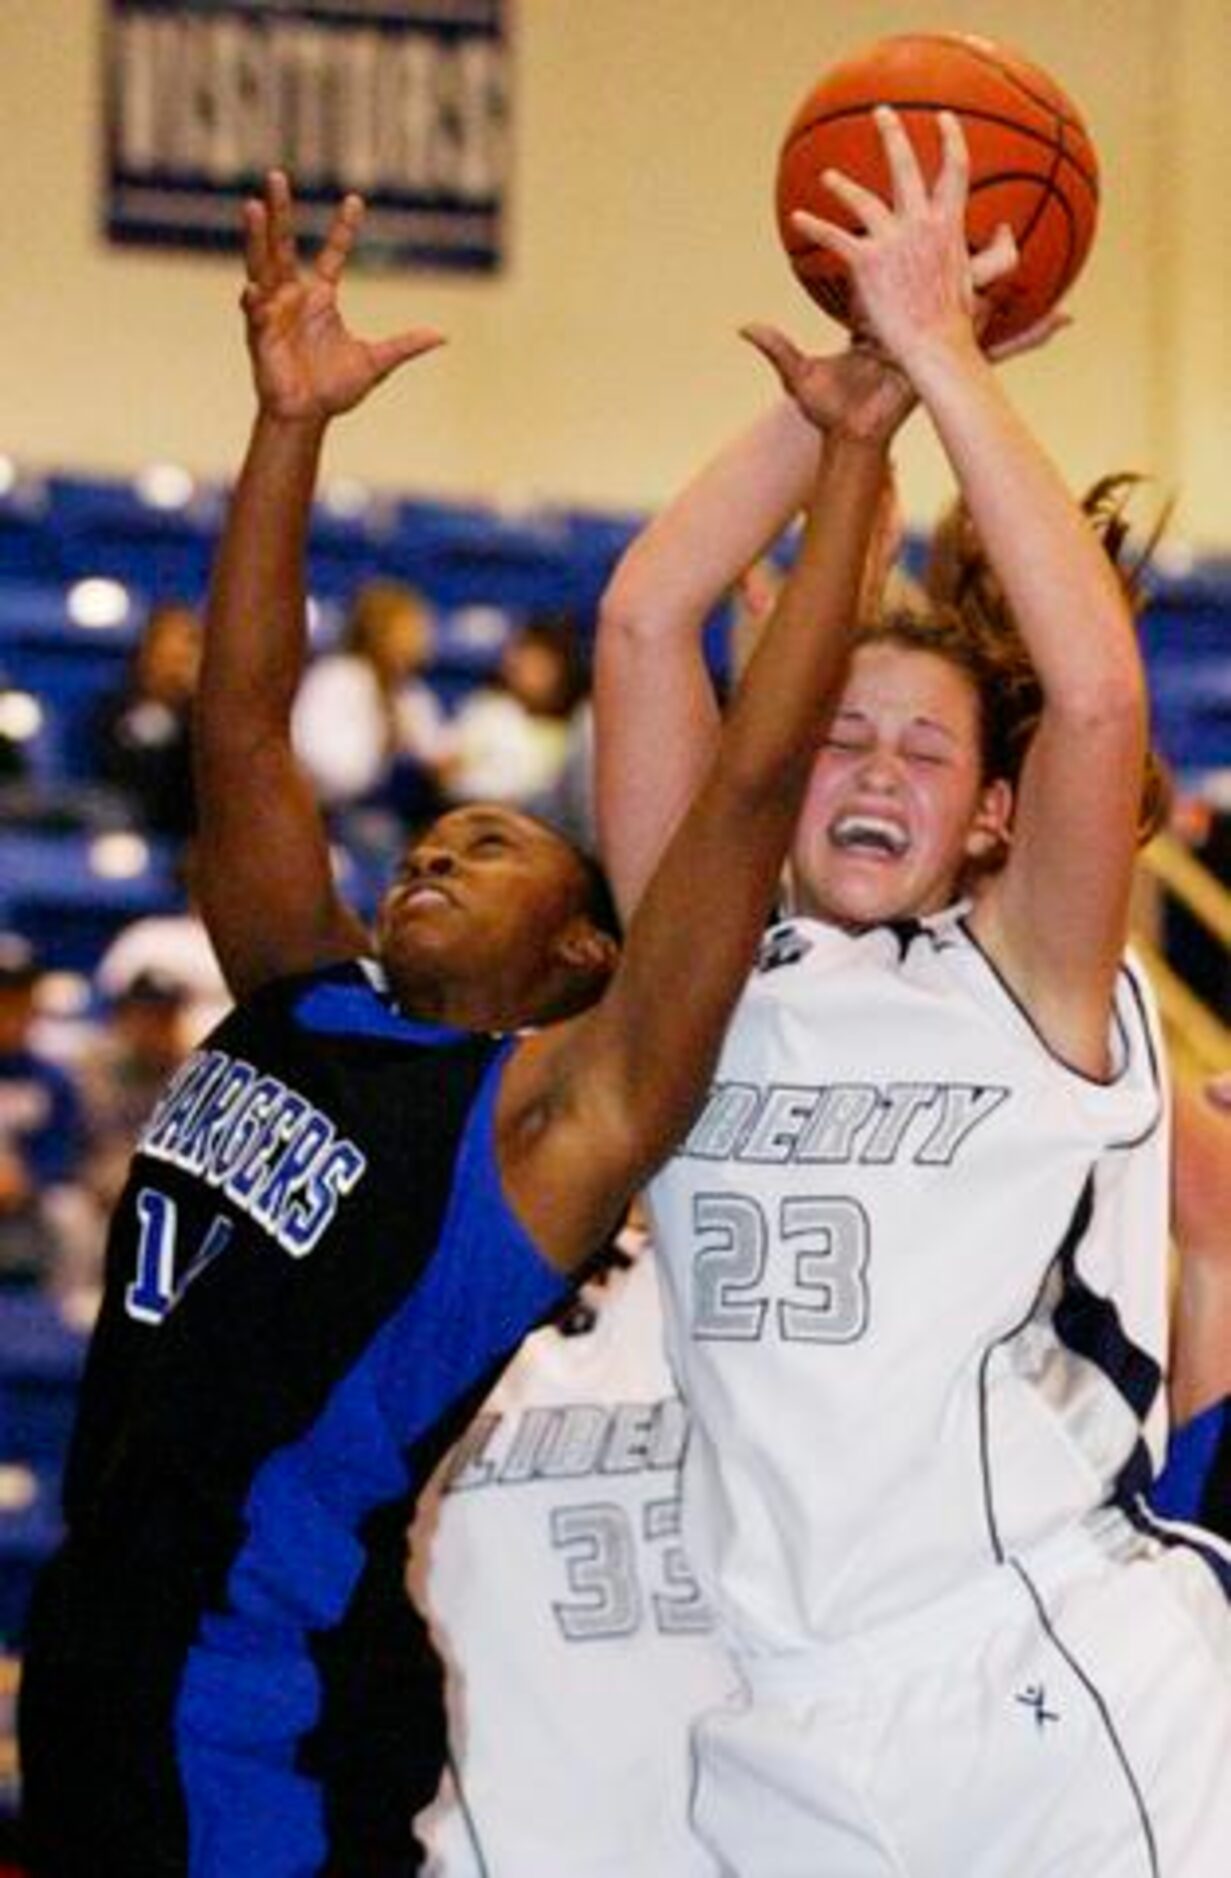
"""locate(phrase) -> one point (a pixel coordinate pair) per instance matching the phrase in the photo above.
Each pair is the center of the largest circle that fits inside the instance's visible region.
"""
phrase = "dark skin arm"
(586, 1108)
(590, 1109)
(719, 869)
(265, 885)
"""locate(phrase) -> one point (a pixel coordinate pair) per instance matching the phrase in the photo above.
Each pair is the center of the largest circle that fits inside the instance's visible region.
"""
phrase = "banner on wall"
(406, 101)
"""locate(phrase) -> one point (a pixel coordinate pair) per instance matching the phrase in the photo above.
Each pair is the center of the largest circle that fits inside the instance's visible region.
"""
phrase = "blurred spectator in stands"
(510, 738)
(368, 727)
(569, 803)
(42, 1136)
(173, 944)
(143, 733)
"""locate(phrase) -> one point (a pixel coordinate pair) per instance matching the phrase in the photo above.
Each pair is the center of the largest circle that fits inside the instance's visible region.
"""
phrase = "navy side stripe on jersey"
(1089, 1328)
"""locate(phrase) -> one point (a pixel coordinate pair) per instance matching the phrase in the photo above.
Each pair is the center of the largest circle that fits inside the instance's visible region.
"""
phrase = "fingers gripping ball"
(1032, 163)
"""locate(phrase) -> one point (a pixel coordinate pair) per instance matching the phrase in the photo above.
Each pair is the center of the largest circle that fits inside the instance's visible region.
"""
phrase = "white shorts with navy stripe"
(1069, 1717)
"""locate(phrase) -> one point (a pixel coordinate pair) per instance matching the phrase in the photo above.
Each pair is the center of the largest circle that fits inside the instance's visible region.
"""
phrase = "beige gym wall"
(603, 362)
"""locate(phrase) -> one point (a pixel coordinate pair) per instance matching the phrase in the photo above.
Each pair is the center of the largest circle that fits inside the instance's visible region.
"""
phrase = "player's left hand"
(858, 392)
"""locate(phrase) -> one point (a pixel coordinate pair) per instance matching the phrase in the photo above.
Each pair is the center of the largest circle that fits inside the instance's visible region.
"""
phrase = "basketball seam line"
(1053, 105)
(974, 114)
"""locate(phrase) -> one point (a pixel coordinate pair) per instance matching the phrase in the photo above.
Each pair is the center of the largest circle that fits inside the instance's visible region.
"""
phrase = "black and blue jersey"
(1195, 1484)
(312, 1276)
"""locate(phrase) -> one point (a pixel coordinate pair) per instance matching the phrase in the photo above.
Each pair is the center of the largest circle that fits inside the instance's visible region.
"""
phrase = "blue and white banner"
(406, 101)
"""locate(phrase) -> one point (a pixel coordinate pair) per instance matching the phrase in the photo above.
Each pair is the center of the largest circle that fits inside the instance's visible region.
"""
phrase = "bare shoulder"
(567, 1164)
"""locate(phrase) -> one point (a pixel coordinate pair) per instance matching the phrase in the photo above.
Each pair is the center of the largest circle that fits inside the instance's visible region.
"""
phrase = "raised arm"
(1055, 920)
(655, 709)
(656, 712)
(266, 886)
(594, 1106)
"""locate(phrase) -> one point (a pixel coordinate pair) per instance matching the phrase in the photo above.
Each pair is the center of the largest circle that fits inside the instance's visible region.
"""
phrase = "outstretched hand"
(858, 392)
(861, 391)
(914, 278)
(306, 364)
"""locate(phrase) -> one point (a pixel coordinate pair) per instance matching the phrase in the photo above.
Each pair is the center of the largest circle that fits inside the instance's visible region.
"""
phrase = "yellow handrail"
(1197, 1038)
(1171, 863)
(1199, 1042)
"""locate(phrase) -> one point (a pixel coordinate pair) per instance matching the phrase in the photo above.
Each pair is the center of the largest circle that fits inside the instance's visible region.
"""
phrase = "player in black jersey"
(361, 1191)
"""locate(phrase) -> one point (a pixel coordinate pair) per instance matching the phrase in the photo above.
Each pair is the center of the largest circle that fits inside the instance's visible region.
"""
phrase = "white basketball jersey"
(578, 1647)
(915, 1277)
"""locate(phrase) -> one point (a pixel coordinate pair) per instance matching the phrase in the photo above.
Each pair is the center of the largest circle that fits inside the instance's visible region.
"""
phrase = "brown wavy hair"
(969, 623)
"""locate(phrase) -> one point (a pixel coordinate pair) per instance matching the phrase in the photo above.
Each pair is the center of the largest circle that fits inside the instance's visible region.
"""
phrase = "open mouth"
(870, 834)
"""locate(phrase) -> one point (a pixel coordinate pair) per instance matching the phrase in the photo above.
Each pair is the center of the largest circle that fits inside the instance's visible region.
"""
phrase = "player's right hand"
(306, 364)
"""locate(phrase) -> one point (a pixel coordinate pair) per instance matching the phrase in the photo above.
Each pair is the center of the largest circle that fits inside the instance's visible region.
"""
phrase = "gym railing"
(1197, 1037)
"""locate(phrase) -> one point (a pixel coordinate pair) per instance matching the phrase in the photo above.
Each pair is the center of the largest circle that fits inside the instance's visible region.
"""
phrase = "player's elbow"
(1110, 709)
(628, 619)
(647, 599)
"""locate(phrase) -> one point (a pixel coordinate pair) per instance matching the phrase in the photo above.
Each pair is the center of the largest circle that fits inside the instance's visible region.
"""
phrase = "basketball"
(1032, 162)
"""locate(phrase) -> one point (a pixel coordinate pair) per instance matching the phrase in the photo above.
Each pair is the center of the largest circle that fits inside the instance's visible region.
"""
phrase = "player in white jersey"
(916, 1242)
(577, 1646)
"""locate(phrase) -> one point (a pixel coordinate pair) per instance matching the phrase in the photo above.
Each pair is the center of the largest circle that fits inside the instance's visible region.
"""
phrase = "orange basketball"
(1032, 163)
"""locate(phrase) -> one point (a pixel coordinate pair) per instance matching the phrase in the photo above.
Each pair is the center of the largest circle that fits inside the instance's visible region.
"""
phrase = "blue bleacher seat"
(462, 554)
(52, 891)
(1186, 640)
(107, 526)
(28, 548)
(41, 1358)
(348, 547)
(39, 612)
(70, 684)
(69, 667)
(28, 1536)
(471, 556)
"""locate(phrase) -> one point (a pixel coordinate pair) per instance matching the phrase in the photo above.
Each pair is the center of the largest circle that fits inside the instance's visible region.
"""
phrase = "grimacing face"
(482, 907)
(896, 805)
